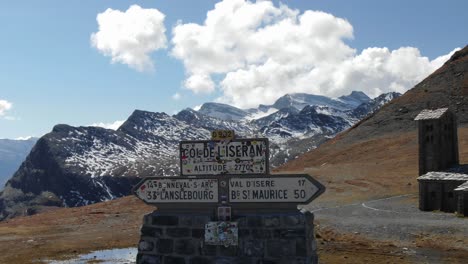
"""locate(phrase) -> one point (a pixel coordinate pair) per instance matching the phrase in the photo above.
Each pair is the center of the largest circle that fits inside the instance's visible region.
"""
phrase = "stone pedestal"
(178, 238)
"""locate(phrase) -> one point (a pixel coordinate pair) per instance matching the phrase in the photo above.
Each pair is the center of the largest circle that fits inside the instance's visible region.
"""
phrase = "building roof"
(444, 176)
(428, 114)
(463, 187)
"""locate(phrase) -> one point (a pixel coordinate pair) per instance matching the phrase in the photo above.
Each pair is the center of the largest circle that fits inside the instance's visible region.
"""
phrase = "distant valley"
(12, 153)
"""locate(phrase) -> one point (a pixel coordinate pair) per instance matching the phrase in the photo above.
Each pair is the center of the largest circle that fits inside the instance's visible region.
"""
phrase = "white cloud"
(24, 138)
(197, 107)
(200, 83)
(130, 37)
(439, 61)
(262, 51)
(176, 96)
(114, 126)
(5, 106)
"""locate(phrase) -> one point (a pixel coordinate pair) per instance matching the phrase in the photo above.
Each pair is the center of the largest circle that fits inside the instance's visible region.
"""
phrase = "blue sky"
(51, 72)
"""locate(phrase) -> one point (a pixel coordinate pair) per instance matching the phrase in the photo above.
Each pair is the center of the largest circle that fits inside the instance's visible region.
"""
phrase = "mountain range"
(75, 166)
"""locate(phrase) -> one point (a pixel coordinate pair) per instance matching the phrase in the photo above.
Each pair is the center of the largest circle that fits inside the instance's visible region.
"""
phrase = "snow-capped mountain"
(81, 165)
(276, 116)
(223, 111)
(295, 101)
(325, 120)
(198, 119)
(310, 121)
(373, 105)
(301, 100)
(355, 98)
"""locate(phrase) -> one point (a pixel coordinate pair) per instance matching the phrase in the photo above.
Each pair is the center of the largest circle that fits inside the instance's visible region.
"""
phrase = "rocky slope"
(75, 166)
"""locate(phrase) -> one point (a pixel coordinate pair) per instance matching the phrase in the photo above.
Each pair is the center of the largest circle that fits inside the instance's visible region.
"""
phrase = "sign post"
(224, 188)
(225, 157)
(233, 171)
(223, 135)
(179, 193)
(241, 192)
(297, 189)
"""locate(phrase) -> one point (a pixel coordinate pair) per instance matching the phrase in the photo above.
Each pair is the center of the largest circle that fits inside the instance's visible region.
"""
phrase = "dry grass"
(70, 231)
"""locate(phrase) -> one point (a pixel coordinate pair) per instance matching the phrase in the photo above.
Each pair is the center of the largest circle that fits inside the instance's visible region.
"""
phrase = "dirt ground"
(396, 224)
(64, 233)
(354, 248)
(67, 232)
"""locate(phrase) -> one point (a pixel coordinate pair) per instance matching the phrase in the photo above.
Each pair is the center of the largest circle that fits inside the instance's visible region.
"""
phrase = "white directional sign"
(156, 190)
(240, 191)
(274, 189)
(225, 157)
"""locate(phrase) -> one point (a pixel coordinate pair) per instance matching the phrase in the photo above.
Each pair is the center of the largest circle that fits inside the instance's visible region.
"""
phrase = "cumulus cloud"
(114, 126)
(130, 37)
(4, 107)
(261, 51)
(200, 83)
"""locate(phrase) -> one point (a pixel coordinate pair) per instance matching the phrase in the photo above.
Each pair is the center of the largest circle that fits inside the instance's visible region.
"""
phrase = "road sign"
(160, 190)
(222, 135)
(237, 156)
(298, 189)
(242, 192)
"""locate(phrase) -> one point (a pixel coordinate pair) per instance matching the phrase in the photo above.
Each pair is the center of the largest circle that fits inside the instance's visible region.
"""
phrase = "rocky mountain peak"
(222, 111)
(459, 55)
(309, 109)
(285, 101)
(188, 114)
(355, 98)
(60, 128)
(139, 116)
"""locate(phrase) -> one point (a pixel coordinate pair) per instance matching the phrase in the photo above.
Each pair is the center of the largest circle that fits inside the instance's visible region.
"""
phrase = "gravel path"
(394, 218)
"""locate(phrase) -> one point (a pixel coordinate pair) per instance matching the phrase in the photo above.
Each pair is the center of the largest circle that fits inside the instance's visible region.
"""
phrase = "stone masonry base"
(273, 238)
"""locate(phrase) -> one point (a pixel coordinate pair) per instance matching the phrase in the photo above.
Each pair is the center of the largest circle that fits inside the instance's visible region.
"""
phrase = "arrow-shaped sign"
(238, 190)
(163, 190)
(294, 188)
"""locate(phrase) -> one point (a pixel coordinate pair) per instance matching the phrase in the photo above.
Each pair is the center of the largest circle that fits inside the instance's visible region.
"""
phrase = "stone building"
(462, 193)
(443, 183)
(438, 140)
(437, 190)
